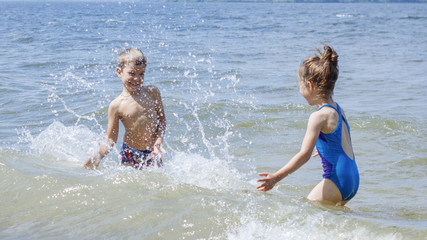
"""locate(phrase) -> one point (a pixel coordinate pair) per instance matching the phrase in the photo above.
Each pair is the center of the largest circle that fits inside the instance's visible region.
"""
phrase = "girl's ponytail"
(329, 55)
(321, 70)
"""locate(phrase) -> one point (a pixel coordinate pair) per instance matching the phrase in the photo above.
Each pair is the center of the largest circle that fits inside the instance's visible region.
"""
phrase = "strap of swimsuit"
(329, 105)
(340, 115)
(336, 109)
(345, 120)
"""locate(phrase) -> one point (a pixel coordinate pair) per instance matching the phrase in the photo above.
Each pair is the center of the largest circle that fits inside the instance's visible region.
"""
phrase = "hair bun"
(321, 70)
(329, 55)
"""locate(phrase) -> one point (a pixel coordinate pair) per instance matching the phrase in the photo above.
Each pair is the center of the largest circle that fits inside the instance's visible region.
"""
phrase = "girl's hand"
(269, 181)
(315, 154)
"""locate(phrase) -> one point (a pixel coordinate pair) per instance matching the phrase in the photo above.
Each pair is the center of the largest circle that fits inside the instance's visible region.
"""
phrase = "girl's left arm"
(315, 123)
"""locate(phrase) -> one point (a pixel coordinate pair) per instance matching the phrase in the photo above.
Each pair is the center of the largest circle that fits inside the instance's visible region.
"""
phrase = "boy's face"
(132, 77)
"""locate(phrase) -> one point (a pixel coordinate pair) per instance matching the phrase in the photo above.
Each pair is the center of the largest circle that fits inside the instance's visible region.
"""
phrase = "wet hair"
(322, 71)
(131, 56)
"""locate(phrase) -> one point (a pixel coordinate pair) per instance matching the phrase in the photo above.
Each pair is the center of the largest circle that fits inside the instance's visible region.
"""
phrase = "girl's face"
(306, 90)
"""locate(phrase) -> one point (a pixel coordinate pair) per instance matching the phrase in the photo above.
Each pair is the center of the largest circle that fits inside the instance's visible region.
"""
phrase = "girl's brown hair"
(322, 71)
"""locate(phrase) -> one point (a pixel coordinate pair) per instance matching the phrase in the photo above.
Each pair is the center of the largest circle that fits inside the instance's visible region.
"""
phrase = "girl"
(328, 130)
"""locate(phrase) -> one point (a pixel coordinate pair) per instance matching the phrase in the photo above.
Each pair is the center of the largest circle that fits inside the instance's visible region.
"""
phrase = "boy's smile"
(132, 77)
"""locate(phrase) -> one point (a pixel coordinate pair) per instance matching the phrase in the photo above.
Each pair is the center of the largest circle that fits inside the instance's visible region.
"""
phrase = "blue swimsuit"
(337, 166)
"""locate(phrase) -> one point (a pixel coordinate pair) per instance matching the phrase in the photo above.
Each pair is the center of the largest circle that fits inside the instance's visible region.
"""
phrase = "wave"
(383, 124)
(114, 21)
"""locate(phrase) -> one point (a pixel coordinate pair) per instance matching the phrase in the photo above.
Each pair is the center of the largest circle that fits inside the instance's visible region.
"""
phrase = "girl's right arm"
(315, 123)
(111, 139)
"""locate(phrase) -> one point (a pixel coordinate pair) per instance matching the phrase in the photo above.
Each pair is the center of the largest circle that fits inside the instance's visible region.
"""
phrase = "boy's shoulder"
(151, 90)
(116, 102)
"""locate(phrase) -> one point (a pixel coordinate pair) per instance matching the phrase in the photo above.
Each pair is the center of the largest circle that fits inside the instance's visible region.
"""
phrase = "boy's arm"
(111, 138)
(161, 124)
(315, 123)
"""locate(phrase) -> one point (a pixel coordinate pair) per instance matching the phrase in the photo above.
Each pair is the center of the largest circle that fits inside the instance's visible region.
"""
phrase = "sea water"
(227, 75)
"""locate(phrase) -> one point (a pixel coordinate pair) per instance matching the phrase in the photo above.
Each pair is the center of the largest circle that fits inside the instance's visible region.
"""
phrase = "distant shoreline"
(224, 1)
(305, 1)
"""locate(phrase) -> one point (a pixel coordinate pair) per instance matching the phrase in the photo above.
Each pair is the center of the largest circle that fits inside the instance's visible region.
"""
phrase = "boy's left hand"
(158, 150)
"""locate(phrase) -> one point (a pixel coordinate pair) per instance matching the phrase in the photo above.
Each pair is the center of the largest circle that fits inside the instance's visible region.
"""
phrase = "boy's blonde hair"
(131, 56)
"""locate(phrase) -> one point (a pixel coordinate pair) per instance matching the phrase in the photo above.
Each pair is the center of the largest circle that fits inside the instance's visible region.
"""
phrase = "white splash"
(70, 143)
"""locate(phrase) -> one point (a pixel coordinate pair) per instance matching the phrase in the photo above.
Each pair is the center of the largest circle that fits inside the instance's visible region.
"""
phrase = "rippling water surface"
(227, 74)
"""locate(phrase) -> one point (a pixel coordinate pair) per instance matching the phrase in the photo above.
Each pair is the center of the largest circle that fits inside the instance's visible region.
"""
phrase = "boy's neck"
(126, 93)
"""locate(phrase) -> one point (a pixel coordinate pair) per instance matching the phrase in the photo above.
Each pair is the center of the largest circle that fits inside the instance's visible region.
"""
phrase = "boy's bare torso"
(139, 115)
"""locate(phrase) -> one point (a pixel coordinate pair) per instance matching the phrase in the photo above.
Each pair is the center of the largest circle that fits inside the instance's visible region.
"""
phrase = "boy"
(141, 111)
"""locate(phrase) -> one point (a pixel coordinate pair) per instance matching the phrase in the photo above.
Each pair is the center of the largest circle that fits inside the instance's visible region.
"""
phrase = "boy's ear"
(119, 72)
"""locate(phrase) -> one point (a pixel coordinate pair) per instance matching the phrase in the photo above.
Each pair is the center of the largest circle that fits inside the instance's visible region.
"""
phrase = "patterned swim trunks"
(137, 158)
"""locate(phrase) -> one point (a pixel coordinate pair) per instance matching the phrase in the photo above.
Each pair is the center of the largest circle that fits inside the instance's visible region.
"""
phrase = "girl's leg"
(326, 192)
